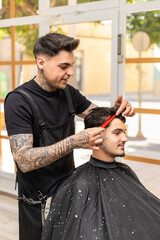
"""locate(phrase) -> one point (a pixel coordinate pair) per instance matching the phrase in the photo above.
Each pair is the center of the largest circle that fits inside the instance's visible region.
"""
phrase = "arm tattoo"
(29, 158)
(85, 113)
(20, 141)
(82, 139)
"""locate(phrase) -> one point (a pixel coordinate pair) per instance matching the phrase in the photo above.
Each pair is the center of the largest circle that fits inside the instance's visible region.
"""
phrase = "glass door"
(142, 83)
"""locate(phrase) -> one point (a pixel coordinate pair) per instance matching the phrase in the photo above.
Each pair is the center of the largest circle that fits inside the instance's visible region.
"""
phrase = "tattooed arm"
(29, 158)
(85, 113)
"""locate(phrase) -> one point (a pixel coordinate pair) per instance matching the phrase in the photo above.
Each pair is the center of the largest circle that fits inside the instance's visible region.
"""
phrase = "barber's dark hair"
(97, 116)
(52, 43)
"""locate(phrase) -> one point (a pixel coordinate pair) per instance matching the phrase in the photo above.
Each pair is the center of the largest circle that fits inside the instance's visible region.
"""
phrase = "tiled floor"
(8, 218)
(149, 175)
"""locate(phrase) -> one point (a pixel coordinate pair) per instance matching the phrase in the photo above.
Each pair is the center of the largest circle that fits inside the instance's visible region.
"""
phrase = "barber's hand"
(125, 107)
(89, 138)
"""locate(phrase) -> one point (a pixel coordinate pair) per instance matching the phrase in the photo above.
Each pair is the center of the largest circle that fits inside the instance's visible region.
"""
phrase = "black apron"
(34, 187)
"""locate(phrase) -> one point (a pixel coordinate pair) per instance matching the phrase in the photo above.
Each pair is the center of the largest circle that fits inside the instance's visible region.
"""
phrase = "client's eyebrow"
(65, 63)
(119, 129)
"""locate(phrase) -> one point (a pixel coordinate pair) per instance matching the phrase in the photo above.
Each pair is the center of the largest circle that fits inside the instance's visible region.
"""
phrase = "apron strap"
(70, 101)
(34, 107)
(36, 114)
(36, 111)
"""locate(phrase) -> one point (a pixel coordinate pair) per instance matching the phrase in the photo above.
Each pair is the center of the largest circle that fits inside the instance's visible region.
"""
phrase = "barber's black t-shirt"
(54, 110)
(53, 107)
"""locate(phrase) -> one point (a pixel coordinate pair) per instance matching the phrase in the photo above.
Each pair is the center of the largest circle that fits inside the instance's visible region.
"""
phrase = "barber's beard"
(43, 75)
(45, 84)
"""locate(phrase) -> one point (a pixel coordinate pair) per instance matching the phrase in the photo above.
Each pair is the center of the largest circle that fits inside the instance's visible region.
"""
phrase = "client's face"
(115, 139)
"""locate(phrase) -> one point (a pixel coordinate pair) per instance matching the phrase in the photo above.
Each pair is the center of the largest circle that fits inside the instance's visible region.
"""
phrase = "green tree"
(23, 8)
(85, 1)
(144, 21)
(26, 35)
(55, 3)
(147, 22)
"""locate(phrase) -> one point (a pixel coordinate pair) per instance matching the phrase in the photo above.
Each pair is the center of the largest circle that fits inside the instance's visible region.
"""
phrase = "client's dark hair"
(52, 43)
(97, 116)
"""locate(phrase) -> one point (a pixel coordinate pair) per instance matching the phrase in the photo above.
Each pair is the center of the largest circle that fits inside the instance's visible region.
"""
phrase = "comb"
(108, 121)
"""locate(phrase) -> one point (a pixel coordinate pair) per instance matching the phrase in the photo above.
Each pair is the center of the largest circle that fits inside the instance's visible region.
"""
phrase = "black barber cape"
(103, 201)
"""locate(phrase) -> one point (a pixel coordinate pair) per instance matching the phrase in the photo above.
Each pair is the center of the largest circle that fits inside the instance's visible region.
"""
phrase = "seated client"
(103, 199)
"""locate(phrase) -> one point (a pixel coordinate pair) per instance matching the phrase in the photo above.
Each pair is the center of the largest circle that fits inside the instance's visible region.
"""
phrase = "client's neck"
(103, 156)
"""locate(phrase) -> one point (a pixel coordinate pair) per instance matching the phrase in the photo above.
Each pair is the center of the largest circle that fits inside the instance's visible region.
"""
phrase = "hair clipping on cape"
(108, 121)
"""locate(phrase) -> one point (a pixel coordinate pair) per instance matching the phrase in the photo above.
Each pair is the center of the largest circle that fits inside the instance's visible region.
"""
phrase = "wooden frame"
(142, 60)
(142, 159)
(143, 110)
(13, 63)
